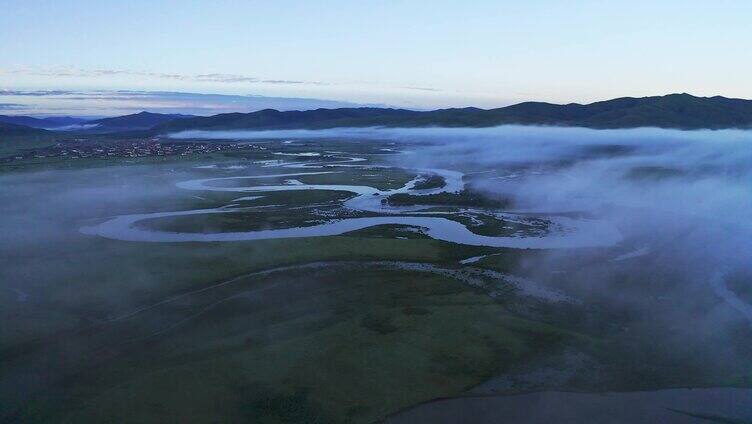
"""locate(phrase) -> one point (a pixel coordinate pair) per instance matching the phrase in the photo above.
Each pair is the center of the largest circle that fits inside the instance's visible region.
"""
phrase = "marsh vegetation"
(361, 325)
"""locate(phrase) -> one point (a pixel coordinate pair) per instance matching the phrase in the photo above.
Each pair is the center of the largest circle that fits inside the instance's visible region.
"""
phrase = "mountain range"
(53, 122)
(680, 111)
(136, 121)
(7, 129)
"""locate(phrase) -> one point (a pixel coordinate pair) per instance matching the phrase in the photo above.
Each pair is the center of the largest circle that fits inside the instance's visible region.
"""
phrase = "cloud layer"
(110, 103)
(64, 72)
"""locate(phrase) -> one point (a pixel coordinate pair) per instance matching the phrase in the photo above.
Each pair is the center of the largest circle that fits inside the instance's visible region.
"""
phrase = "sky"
(415, 54)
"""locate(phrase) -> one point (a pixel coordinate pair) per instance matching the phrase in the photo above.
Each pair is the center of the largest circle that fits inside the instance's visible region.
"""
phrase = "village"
(83, 148)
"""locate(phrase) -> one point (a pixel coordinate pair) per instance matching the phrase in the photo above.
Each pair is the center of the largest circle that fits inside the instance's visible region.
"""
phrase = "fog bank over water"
(683, 199)
(666, 304)
(703, 173)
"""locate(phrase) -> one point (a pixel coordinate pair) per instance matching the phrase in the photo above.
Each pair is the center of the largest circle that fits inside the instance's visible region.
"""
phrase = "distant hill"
(682, 111)
(137, 121)
(7, 129)
(52, 122)
(274, 119)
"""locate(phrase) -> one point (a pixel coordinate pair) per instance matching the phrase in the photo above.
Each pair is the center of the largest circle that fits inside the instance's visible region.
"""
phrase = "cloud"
(119, 102)
(7, 92)
(10, 106)
(68, 72)
(422, 88)
(228, 78)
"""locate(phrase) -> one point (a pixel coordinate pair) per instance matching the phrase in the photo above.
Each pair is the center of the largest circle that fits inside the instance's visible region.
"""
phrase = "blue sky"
(420, 54)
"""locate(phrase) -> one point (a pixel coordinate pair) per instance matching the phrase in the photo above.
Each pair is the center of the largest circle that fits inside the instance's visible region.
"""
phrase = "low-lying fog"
(682, 199)
(705, 174)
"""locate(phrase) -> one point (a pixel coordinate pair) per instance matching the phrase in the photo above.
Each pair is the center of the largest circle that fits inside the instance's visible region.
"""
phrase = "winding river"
(570, 232)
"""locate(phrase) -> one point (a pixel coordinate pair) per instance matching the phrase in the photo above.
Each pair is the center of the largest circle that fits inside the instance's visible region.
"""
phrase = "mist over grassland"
(666, 307)
(703, 173)
(683, 196)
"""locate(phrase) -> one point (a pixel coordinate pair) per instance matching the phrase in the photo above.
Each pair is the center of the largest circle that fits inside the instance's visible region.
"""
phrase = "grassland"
(308, 346)
(466, 198)
(301, 330)
(10, 145)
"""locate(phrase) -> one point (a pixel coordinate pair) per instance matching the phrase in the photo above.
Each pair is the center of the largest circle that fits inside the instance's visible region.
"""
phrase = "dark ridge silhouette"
(7, 130)
(51, 122)
(681, 111)
(136, 121)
